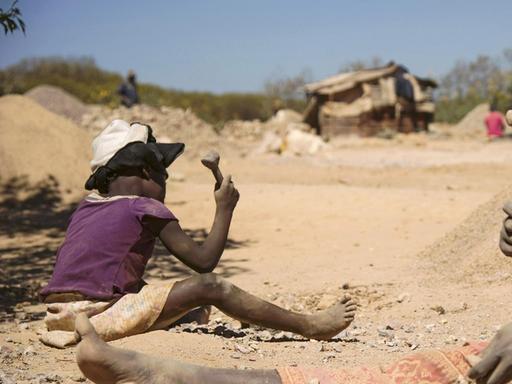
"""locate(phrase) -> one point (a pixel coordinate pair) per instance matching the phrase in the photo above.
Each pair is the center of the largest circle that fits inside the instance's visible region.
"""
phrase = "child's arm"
(204, 258)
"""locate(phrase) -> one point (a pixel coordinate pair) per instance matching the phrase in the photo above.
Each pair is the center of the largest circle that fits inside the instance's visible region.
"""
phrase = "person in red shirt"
(494, 123)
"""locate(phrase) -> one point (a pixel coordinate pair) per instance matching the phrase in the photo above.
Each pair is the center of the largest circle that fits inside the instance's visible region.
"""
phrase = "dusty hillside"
(36, 143)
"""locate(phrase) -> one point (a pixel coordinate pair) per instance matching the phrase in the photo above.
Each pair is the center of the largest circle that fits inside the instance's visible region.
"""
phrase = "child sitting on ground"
(110, 238)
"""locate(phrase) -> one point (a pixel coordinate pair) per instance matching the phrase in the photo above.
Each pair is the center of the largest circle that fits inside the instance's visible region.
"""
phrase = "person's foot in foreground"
(104, 364)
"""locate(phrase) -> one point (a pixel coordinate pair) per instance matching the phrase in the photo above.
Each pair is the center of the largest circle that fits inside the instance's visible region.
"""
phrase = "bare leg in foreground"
(211, 289)
(104, 364)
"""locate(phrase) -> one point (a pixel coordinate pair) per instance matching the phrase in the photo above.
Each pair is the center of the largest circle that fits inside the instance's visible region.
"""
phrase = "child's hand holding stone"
(226, 196)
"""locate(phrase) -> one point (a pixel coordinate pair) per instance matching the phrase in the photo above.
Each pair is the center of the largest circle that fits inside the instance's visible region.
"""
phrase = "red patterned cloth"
(428, 367)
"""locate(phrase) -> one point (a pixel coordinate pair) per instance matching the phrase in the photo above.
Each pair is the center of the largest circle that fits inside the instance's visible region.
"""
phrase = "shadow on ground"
(33, 223)
(32, 226)
(163, 266)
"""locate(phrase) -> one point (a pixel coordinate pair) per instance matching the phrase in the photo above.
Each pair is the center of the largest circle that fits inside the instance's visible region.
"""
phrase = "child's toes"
(351, 308)
(350, 314)
(349, 301)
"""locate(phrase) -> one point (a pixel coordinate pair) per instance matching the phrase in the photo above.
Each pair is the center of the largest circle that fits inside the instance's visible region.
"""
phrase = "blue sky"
(235, 45)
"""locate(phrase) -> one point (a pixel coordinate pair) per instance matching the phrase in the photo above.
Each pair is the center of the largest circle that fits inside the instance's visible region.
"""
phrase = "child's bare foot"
(328, 323)
(104, 364)
(59, 339)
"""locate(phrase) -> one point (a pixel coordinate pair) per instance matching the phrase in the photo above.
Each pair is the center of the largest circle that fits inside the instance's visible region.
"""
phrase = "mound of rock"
(300, 143)
(235, 130)
(295, 142)
(283, 133)
(58, 101)
(286, 116)
(37, 143)
(256, 130)
(169, 124)
(470, 252)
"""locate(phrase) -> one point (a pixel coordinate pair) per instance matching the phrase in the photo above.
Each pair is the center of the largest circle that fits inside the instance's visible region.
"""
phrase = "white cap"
(114, 137)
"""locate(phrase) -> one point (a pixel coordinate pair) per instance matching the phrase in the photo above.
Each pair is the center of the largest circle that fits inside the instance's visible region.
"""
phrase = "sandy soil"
(361, 216)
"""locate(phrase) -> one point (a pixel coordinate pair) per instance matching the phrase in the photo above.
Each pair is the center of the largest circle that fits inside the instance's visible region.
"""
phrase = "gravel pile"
(472, 125)
(470, 252)
(58, 101)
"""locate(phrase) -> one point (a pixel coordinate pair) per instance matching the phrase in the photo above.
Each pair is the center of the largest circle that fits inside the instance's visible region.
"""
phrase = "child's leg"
(102, 363)
(200, 315)
(211, 289)
(130, 315)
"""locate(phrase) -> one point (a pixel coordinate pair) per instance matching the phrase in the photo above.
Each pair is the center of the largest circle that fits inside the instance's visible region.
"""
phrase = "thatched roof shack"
(367, 101)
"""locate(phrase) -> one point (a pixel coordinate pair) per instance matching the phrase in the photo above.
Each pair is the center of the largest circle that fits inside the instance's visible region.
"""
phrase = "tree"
(469, 83)
(11, 19)
(287, 88)
(286, 92)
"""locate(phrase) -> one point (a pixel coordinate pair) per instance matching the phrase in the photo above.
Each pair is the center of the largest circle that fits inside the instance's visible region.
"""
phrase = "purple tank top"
(107, 246)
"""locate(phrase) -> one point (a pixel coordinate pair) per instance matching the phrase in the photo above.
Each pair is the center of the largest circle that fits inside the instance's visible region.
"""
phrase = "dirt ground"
(357, 220)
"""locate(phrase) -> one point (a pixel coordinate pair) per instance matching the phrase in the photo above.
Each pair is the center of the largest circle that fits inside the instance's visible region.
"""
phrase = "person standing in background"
(128, 90)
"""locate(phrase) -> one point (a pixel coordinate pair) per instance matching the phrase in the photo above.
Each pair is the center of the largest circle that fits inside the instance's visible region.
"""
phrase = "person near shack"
(128, 90)
(110, 238)
(405, 105)
(494, 123)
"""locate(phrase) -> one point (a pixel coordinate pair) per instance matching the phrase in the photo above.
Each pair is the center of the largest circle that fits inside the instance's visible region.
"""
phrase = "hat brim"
(170, 152)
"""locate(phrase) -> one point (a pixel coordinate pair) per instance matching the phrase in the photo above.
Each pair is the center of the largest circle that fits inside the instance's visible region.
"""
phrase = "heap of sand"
(36, 143)
(470, 253)
(473, 124)
(58, 101)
